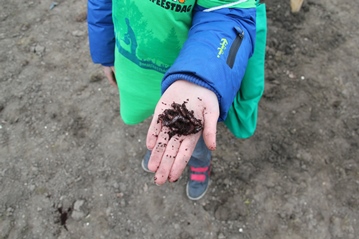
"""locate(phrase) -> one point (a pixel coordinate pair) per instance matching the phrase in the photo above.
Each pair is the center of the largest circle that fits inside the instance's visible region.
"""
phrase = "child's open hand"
(170, 151)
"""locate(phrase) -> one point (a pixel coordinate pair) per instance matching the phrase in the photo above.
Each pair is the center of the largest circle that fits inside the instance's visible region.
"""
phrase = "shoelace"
(199, 174)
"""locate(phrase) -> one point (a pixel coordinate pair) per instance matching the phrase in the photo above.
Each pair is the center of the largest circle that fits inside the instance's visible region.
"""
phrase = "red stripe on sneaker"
(198, 177)
(199, 170)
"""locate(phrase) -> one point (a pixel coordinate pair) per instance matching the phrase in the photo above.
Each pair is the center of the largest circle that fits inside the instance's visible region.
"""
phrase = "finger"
(109, 73)
(168, 158)
(158, 151)
(111, 78)
(153, 133)
(183, 156)
(210, 129)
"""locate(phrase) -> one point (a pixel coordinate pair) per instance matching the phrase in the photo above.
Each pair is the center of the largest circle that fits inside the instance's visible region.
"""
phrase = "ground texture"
(69, 167)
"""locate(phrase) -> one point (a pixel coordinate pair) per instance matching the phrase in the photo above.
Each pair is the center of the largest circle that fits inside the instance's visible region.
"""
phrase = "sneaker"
(198, 182)
(145, 161)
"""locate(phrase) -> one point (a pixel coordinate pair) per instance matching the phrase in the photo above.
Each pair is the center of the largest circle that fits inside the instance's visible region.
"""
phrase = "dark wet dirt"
(179, 120)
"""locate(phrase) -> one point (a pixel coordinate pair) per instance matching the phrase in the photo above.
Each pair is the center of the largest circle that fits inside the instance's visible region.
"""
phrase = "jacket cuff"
(169, 79)
(108, 64)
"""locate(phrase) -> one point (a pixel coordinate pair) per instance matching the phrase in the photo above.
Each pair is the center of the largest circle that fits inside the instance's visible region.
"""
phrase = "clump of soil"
(180, 120)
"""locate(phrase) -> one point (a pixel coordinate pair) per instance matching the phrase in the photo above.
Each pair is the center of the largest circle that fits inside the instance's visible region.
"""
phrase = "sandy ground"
(70, 168)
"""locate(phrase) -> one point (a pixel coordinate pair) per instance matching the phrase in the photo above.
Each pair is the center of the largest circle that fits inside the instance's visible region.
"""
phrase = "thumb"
(210, 129)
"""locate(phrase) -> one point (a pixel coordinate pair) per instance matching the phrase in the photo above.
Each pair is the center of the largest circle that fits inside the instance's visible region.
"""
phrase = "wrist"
(191, 78)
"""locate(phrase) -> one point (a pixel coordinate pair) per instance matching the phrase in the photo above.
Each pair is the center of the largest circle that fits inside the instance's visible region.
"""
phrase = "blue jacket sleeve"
(216, 53)
(101, 31)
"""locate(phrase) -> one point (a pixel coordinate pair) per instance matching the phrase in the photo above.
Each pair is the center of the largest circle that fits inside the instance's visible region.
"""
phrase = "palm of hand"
(171, 145)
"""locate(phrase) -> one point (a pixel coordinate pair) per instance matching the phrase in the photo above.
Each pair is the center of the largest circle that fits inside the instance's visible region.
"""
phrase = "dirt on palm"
(70, 168)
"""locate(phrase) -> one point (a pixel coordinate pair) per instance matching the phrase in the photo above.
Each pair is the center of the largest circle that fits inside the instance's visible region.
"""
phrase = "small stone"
(39, 50)
(221, 236)
(78, 204)
(9, 211)
(78, 33)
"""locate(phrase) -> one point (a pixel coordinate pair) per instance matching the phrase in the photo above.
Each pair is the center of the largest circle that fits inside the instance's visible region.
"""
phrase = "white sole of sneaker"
(144, 167)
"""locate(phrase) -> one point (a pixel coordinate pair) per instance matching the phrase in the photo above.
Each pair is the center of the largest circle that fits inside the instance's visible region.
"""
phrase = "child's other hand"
(110, 74)
(170, 156)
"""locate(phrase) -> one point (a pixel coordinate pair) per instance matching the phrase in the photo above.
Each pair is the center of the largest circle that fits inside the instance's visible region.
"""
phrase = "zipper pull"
(239, 31)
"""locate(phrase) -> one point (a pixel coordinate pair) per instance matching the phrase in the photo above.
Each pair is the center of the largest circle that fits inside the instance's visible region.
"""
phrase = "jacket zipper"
(235, 47)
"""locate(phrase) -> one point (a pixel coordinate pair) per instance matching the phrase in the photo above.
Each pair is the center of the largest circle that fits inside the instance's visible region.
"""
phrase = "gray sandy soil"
(70, 168)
